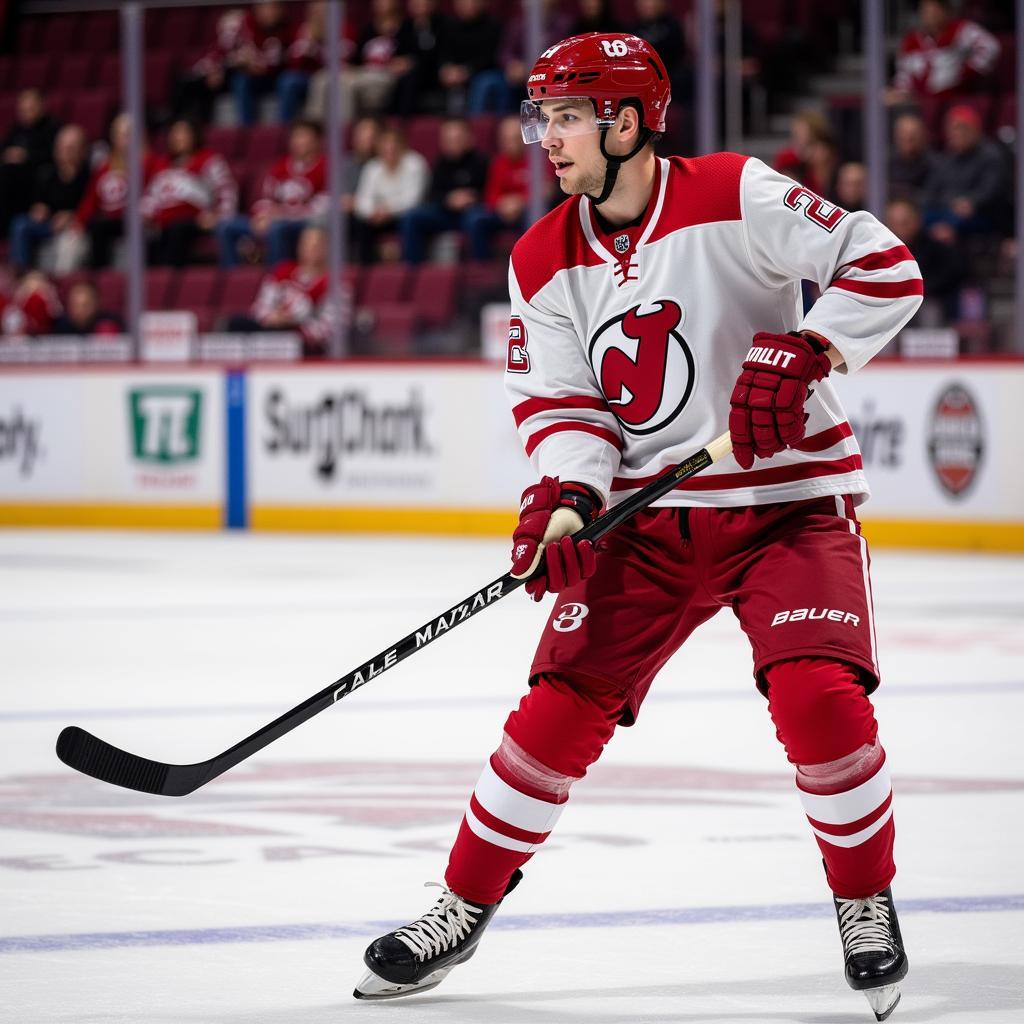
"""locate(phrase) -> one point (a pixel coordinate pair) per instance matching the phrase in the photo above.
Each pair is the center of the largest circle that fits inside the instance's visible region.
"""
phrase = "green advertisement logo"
(165, 423)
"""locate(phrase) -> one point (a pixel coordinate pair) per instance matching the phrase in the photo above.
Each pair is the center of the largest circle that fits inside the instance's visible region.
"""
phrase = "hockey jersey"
(182, 189)
(299, 296)
(624, 346)
(962, 53)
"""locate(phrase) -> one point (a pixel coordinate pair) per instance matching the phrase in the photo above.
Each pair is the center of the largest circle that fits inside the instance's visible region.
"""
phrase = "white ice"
(682, 884)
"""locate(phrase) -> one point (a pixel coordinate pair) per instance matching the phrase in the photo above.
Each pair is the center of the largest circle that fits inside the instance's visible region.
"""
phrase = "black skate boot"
(873, 948)
(420, 956)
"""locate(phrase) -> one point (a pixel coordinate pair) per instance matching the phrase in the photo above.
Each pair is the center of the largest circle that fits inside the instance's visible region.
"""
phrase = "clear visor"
(561, 117)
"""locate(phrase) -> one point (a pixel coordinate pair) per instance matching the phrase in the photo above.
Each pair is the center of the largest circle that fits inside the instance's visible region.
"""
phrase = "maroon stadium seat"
(421, 134)
(384, 283)
(75, 72)
(433, 293)
(206, 317)
(161, 282)
(98, 32)
(394, 331)
(29, 35)
(108, 74)
(485, 130)
(6, 71)
(34, 70)
(264, 143)
(225, 139)
(198, 286)
(157, 78)
(58, 34)
(110, 286)
(92, 110)
(7, 102)
(240, 287)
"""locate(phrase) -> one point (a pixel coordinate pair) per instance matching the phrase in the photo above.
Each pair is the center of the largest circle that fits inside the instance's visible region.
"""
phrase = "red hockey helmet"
(606, 68)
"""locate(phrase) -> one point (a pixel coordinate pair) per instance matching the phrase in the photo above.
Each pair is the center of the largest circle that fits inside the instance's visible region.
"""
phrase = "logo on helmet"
(644, 366)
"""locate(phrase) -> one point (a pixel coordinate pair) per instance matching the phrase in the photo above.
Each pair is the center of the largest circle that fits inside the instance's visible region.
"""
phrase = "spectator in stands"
(468, 54)
(293, 190)
(968, 190)
(23, 152)
(417, 50)
(911, 159)
(28, 308)
(456, 185)
(304, 58)
(84, 316)
(822, 166)
(946, 55)
(368, 75)
(505, 194)
(362, 148)
(595, 16)
(852, 186)
(247, 55)
(943, 265)
(392, 183)
(295, 297)
(660, 26)
(99, 220)
(806, 130)
(190, 192)
(58, 190)
(556, 23)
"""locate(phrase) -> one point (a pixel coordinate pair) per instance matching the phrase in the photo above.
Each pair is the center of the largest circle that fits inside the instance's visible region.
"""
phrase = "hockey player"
(634, 304)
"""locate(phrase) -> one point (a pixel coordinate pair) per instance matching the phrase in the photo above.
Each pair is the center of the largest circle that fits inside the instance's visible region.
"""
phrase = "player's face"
(572, 143)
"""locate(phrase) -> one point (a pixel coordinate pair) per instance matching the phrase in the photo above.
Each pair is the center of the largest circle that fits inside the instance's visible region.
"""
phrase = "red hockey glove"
(767, 402)
(548, 516)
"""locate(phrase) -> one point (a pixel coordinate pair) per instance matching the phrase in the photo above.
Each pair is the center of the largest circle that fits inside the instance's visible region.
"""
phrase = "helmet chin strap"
(615, 162)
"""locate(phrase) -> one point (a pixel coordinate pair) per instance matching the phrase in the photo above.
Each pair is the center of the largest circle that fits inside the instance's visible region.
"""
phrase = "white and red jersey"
(300, 296)
(624, 347)
(934, 65)
(31, 310)
(293, 189)
(238, 37)
(107, 191)
(183, 189)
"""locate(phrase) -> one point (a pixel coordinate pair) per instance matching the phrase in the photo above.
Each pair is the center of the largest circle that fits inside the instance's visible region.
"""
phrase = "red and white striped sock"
(848, 803)
(514, 807)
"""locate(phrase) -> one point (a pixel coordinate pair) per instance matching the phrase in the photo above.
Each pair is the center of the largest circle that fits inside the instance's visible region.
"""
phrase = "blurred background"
(216, 189)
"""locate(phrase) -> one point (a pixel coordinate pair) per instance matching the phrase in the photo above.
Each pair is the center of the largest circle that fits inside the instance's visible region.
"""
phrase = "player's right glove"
(550, 513)
(767, 413)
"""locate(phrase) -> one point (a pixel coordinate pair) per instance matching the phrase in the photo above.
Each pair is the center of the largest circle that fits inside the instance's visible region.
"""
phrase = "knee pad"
(821, 711)
(562, 724)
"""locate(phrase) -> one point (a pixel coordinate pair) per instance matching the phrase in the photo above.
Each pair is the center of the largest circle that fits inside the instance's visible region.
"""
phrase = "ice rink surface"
(682, 884)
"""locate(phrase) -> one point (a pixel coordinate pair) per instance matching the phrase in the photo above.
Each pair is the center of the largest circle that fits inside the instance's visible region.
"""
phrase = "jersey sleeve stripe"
(753, 477)
(587, 428)
(880, 260)
(882, 289)
(532, 406)
(825, 438)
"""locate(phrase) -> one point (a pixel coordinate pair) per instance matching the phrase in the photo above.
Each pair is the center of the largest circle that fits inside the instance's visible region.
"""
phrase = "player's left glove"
(550, 513)
(767, 413)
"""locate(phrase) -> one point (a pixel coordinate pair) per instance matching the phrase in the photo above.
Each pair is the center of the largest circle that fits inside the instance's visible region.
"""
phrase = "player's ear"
(629, 123)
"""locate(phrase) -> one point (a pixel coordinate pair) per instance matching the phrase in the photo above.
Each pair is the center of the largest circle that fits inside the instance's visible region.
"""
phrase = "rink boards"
(430, 448)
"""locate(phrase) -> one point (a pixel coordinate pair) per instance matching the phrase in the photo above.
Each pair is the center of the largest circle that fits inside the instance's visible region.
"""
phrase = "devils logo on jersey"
(644, 366)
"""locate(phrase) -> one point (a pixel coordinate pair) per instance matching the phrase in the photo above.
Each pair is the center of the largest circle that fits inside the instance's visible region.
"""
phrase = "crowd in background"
(458, 67)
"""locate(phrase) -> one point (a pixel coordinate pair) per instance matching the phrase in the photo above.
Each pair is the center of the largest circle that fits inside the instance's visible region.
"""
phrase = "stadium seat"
(75, 72)
(110, 286)
(33, 70)
(6, 71)
(394, 331)
(108, 74)
(58, 34)
(264, 143)
(433, 294)
(225, 139)
(7, 102)
(98, 32)
(485, 130)
(240, 287)
(384, 283)
(161, 282)
(93, 110)
(157, 78)
(198, 286)
(421, 134)
(28, 39)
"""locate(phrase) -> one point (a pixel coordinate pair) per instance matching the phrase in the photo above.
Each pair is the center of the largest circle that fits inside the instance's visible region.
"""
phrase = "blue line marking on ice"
(440, 703)
(522, 922)
(235, 490)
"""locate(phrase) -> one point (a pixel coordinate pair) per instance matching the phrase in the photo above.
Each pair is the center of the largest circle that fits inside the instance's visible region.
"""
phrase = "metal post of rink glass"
(874, 112)
(337, 220)
(131, 101)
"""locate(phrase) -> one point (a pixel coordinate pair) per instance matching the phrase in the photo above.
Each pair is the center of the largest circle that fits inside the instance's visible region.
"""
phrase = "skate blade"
(372, 986)
(883, 1000)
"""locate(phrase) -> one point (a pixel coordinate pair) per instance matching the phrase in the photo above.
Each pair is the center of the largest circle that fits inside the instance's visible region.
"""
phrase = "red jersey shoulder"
(701, 190)
(283, 271)
(555, 242)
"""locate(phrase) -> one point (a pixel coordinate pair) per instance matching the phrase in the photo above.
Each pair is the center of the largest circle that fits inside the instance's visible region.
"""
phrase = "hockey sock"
(557, 732)
(827, 723)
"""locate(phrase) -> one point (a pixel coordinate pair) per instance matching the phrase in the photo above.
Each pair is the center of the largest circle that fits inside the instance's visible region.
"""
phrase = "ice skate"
(873, 949)
(419, 956)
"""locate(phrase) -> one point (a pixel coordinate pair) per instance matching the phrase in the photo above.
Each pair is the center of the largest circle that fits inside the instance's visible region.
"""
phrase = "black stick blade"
(86, 753)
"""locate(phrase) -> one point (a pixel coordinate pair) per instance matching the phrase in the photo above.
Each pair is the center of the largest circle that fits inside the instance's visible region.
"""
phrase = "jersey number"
(614, 47)
(518, 359)
(824, 214)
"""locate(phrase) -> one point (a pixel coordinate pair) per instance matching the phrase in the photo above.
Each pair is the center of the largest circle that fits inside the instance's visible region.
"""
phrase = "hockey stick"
(88, 754)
